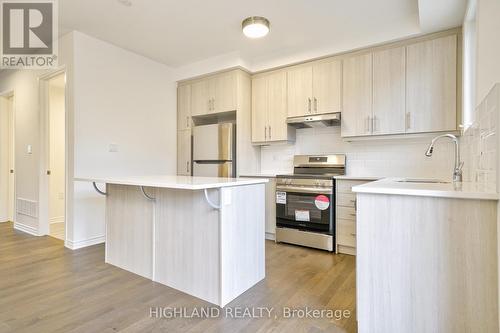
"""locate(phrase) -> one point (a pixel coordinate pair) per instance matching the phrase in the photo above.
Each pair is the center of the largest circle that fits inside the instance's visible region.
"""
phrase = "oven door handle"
(303, 190)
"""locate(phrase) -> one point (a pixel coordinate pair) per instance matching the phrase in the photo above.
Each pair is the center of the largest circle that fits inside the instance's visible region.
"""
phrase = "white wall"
(57, 153)
(119, 98)
(488, 47)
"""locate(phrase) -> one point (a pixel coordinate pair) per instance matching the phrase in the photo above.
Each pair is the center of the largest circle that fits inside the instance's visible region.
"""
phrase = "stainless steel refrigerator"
(214, 150)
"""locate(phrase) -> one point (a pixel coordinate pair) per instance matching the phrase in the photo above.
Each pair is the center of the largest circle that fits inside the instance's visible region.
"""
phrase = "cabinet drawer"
(347, 200)
(345, 186)
(346, 232)
(346, 213)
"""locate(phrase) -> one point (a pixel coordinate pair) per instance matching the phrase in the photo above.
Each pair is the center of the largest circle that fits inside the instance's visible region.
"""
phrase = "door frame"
(7, 94)
(43, 202)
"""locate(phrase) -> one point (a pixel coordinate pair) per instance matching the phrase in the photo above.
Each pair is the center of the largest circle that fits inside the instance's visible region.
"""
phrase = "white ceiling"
(181, 32)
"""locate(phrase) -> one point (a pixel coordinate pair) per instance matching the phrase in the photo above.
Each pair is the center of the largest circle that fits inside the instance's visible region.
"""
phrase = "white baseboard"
(26, 228)
(270, 236)
(57, 219)
(75, 245)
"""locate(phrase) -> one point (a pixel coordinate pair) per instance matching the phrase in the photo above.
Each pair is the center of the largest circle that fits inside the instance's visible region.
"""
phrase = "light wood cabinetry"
(327, 86)
(346, 215)
(357, 96)
(404, 89)
(269, 110)
(184, 107)
(315, 88)
(184, 152)
(214, 94)
(432, 85)
(389, 85)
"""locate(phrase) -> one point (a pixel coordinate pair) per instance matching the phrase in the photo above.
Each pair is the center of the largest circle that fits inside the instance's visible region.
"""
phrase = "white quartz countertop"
(465, 190)
(175, 182)
(368, 178)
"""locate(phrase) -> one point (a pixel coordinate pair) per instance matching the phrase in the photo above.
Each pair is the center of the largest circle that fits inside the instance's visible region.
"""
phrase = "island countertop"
(175, 182)
(465, 190)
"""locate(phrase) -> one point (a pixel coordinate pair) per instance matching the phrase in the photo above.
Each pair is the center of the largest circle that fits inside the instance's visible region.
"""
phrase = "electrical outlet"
(113, 148)
(29, 149)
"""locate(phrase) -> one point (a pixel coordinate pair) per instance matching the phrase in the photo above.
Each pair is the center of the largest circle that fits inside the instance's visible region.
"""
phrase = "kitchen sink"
(423, 181)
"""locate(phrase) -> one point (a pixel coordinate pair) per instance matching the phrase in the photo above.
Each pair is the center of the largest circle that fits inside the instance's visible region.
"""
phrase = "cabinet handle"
(265, 132)
(352, 214)
(353, 234)
(187, 166)
(408, 120)
(269, 132)
(374, 124)
(315, 104)
(309, 105)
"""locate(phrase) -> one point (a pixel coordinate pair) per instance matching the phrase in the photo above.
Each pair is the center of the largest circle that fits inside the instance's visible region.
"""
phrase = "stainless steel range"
(305, 201)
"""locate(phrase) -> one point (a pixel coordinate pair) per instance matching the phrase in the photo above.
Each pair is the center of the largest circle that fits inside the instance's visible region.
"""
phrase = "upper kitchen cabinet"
(389, 91)
(406, 88)
(184, 107)
(327, 86)
(269, 109)
(357, 88)
(299, 91)
(314, 88)
(431, 90)
(214, 94)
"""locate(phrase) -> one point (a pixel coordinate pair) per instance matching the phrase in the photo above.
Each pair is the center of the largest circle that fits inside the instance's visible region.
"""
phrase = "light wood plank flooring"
(45, 287)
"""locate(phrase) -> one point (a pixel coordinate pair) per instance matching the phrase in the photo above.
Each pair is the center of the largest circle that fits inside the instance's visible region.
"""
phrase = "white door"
(6, 160)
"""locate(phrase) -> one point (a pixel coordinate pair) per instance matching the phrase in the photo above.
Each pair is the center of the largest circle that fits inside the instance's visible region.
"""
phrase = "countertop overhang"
(465, 190)
(175, 182)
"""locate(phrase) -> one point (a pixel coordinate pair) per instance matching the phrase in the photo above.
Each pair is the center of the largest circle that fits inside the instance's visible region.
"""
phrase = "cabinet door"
(184, 152)
(184, 107)
(357, 96)
(259, 109)
(277, 107)
(389, 91)
(327, 83)
(299, 92)
(432, 85)
(224, 92)
(200, 100)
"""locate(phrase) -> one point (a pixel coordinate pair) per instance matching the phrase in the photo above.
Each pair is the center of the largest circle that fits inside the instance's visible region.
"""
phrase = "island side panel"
(242, 239)
(129, 233)
(426, 264)
(187, 243)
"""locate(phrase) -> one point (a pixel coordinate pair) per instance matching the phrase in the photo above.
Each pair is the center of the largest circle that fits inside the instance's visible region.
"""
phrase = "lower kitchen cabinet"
(346, 215)
(184, 152)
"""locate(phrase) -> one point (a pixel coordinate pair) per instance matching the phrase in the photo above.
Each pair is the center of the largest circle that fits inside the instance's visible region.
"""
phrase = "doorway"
(56, 156)
(7, 182)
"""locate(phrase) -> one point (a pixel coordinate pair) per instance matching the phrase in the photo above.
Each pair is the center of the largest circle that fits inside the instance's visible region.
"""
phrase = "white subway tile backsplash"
(479, 147)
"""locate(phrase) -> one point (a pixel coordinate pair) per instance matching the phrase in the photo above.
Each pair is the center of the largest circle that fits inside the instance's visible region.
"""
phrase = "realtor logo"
(29, 34)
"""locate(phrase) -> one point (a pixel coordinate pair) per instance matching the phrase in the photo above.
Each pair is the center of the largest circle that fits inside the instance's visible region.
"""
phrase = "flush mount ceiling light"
(255, 26)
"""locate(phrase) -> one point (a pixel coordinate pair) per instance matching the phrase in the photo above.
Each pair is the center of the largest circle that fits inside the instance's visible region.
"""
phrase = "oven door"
(307, 208)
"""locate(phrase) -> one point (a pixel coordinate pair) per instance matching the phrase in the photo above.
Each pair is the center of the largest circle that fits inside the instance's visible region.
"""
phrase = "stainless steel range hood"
(317, 120)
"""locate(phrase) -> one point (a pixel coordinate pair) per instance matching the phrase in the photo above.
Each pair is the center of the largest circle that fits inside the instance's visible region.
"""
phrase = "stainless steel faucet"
(457, 170)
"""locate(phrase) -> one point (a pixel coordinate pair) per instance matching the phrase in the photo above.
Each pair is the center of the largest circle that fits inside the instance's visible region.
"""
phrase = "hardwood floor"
(45, 287)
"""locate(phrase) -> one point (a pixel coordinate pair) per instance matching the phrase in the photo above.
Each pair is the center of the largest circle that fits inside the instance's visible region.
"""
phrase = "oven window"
(303, 202)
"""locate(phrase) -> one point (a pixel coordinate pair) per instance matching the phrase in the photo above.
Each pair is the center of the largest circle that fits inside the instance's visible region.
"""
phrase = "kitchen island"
(426, 256)
(201, 235)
